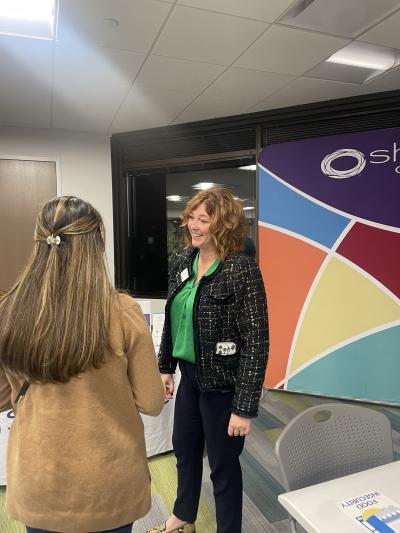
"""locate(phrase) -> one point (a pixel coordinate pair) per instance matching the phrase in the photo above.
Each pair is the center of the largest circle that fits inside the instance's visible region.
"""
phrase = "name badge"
(225, 348)
(184, 274)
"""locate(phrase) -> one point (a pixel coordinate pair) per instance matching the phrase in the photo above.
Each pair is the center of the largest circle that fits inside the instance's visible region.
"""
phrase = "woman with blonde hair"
(78, 365)
(216, 328)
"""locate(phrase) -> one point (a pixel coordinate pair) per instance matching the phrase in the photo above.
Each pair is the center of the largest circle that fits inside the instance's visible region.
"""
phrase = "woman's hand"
(169, 385)
(239, 426)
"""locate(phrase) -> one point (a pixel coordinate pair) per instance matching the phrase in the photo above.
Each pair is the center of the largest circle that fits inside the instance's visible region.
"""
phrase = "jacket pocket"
(220, 299)
(229, 361)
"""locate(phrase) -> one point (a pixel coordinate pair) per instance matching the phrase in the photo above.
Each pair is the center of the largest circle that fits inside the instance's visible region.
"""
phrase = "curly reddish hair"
(227, 221)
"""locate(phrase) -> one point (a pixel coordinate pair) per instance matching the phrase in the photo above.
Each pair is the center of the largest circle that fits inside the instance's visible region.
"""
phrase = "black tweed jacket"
(230, 328)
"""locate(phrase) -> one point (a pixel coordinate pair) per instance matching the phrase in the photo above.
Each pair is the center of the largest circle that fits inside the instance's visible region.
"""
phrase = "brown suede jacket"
(76, 452)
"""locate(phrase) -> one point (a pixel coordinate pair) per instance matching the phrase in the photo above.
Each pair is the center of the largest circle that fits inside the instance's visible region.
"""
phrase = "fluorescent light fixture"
(358, 63)
(28, 18)
(204, 185)
(296, 9)
(365, 55)
(175, 198)
(248, 167)
(347, 18)
(248, 208)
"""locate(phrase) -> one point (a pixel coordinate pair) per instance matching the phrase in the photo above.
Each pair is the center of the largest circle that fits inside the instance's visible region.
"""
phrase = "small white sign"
(158, 324)
(374, 512)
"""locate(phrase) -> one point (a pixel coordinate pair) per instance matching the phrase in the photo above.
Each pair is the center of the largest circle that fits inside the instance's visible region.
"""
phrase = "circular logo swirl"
(326, 164)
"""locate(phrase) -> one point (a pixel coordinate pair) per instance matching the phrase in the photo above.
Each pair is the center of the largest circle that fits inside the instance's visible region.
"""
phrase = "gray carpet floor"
(262, 484)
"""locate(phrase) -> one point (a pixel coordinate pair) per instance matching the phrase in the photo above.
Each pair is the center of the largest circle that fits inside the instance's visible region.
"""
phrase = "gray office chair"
(332, 440)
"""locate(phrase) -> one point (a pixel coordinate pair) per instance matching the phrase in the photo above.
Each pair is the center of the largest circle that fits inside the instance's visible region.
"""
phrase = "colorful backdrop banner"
(329, 250)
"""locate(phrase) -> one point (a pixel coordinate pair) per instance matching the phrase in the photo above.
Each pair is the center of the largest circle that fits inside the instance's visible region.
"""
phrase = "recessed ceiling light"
(28, 19)
(248, 208)
(175, 198)
(365, 55)
(248, 167)
(204, 185)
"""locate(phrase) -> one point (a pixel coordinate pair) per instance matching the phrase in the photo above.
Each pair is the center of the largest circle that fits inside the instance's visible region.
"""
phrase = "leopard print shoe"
(187, 528)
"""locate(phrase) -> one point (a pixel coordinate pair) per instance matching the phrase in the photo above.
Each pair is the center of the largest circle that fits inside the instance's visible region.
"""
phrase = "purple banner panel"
(356, 173)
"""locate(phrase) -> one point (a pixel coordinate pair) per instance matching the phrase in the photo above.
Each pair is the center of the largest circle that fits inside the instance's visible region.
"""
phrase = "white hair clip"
(53, 240)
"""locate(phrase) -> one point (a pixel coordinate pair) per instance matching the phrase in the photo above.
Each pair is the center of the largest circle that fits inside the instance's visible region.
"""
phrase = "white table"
(317, 508)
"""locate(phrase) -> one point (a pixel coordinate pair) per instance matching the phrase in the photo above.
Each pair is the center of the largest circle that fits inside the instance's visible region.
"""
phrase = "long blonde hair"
(227, 221)
(54, 322)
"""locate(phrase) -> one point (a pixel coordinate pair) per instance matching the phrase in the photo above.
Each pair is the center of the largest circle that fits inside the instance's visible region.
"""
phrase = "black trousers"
(203, 417)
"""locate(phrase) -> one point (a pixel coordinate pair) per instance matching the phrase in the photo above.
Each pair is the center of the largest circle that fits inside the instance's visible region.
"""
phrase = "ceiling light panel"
(175, 198)
(356, 63)
(341, 17)
(204, 185)
(29, 19)
(337, 72)
(364, 55)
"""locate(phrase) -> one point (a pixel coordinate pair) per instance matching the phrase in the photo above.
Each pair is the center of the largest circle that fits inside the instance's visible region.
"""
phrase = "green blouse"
(181, 313)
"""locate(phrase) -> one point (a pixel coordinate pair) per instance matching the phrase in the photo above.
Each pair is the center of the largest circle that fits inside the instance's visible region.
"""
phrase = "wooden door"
(24, 187)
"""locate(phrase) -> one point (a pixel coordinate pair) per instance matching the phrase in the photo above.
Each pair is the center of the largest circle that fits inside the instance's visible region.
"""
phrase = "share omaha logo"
(327, 168)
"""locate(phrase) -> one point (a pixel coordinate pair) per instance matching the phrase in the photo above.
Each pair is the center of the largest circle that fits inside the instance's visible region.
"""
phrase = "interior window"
(157, 197)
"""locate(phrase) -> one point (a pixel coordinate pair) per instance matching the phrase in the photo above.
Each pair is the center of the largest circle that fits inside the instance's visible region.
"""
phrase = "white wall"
(84, 166)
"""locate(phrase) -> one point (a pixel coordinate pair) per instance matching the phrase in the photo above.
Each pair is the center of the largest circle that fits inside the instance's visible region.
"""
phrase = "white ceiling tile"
(25, 81)
(90, 83)
(186, 76)
(79, 123)
(247, 85)
(206, 107)
(25, 60)
(203, 36)
(304, 91)
(148, 108)
(289, 51)
(263, 10)
(387, 33)
(178, 75)
(139, 22)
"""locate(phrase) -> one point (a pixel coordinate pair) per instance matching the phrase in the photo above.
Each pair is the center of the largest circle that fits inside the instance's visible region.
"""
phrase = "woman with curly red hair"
(216, 328)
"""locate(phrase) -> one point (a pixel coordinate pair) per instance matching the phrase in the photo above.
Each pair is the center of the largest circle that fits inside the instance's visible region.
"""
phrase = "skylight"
(28, 18)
